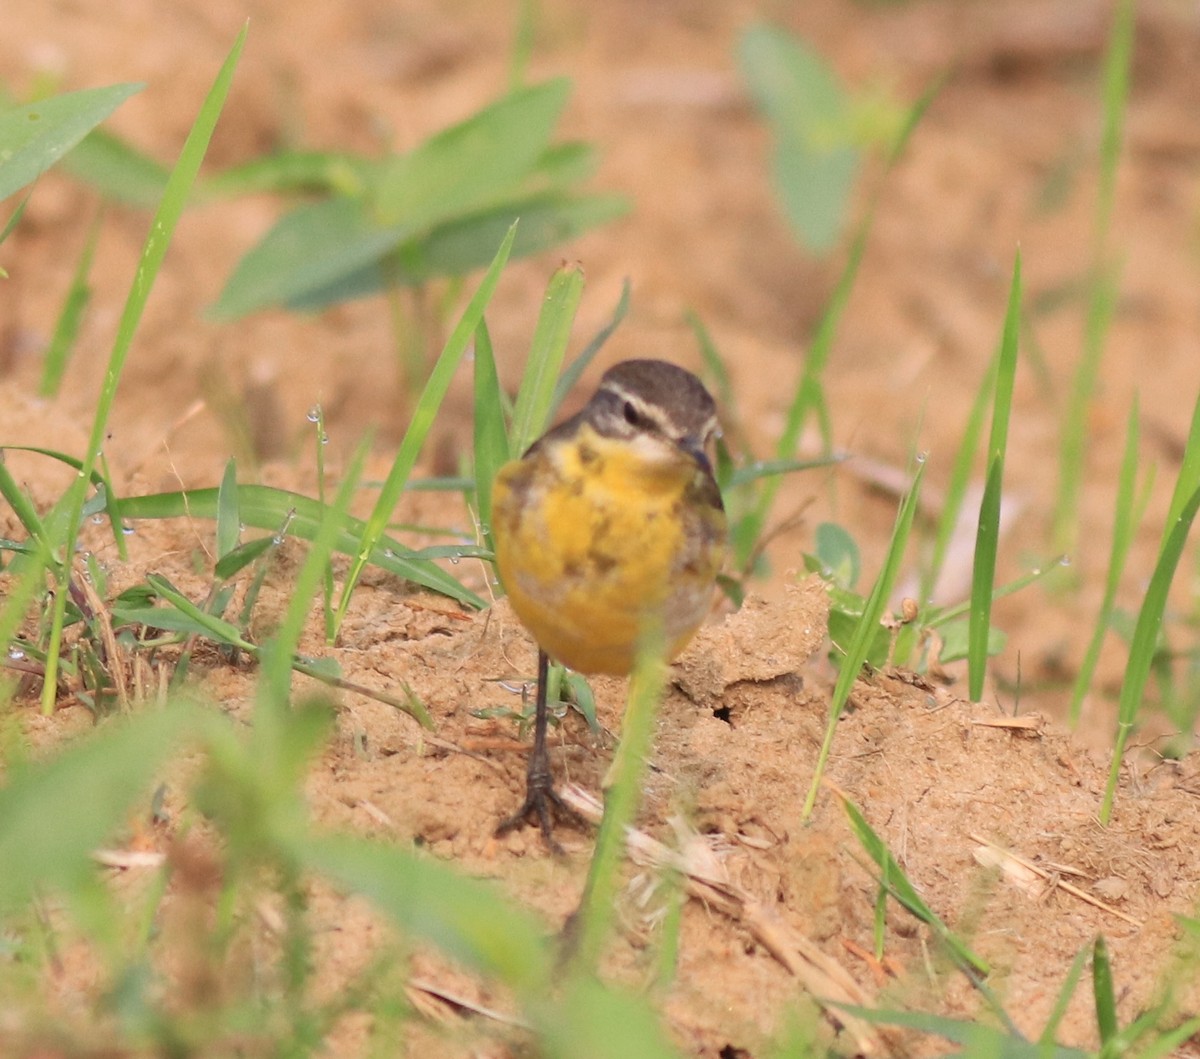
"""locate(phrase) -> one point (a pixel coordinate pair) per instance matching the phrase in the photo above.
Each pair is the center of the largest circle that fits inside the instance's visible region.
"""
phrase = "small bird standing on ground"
(609, 528)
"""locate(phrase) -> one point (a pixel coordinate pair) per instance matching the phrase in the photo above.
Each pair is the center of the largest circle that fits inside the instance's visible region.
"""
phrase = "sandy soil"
(1004, 157)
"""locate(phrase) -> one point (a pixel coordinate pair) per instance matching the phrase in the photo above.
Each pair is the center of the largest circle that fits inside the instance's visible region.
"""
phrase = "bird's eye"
(631, 415)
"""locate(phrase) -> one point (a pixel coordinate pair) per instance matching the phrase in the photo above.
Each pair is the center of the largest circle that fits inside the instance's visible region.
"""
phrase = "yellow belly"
(595, 547)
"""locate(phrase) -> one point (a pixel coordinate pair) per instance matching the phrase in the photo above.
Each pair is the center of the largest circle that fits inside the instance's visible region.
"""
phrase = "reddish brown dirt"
(659, 95)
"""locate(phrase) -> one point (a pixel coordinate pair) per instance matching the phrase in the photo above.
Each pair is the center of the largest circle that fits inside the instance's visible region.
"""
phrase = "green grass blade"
(978, 1039)
(897, 883)
(1125, 519)
(574, 370)
(265, 507)
(490, 432)
(1188, 480)
(1145, 640)
(275, 685)
(532, 411)
(229, 519)
(1105, 995)
(422, 420)
(987, 537)
(597, 907)
(809, 397)
(23, 508)
(162, 227)
(1171, 1040)
(34, 137)
(66, 329)
(1050, 1030)
(956, 487)
(215, 628)
(1102, 289)
(11, 224)
(865, 630)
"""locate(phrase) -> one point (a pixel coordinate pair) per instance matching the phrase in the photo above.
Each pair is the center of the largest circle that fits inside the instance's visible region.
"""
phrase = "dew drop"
(1065, 561)
(128, 530)
(16, 654)
(314, 414)
(97, 519)
(922, 457)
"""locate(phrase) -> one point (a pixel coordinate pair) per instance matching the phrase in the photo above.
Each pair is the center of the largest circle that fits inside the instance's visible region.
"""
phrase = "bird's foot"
(542, 806)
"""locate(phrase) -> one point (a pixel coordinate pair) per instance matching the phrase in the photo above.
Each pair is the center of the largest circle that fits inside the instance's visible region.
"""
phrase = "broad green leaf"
(117, 170)
(809, 114)
(289, 171)
(34, 137)
(472, 164)
(467, 244)
(308, 249)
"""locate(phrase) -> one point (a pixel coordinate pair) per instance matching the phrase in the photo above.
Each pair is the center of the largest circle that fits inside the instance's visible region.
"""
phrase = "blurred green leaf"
(35, 136)
(464, 245)
(337, 172)
(57, 812)
(472, 164)
(117, 169)
(311, 247)
(592, 1022)
(466, 918)
(810, 117)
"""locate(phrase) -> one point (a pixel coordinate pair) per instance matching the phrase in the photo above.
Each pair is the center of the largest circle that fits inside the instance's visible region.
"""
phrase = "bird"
(610, 526)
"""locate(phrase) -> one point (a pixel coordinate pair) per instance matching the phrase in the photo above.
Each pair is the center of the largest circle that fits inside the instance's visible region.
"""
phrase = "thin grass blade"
(275, 685)
(66, 328)
(170, 209)
(1126, 513)
(490, 431)
(535, 396)
(265, 507)
(987, 537)
(898, 884)
(1102, 288)
(573, 371)
(1104, 993)
(1145, 639)
(422, 420)
(865, 630)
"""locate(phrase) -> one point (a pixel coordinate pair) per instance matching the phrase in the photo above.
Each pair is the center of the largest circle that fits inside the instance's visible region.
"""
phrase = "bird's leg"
(542, 802)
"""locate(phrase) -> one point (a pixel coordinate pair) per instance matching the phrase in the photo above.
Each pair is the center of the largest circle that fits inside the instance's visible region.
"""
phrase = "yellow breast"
(598, 539)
